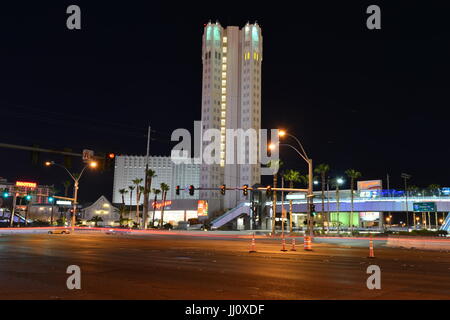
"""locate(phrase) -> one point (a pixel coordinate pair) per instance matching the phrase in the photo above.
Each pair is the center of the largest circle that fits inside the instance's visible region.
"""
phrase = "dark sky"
(370, 100)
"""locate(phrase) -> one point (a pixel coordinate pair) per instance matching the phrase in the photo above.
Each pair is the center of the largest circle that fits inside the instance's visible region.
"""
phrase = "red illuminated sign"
(160, 204)
(26, 184)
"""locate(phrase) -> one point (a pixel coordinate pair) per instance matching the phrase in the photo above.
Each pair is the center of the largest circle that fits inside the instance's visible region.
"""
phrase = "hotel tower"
(231, 99)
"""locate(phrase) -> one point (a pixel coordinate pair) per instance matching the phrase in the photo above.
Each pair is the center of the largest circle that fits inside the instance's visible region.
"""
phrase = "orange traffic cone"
(252, 246)
(284, 244)
(293, 245)
(307, 243)
(371, 254)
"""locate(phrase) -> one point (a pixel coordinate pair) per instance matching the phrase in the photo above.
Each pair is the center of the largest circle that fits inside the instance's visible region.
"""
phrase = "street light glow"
(272, 146)
(48, 163)
(281, 133)
(340, 180)
(93, 164)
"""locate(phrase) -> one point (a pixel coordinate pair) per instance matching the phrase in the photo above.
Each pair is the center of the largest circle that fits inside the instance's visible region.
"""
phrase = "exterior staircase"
(242, 208)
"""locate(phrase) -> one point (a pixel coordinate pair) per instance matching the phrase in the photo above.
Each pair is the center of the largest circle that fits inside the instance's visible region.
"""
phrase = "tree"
(137, 183)
(164, 190)
(67, 185)
(155, 192)
(353, 175)
(122, 210)
(96, 220)
(149, 174)
(434, 188)
(322, 170)
(131, 188)
(291, 176)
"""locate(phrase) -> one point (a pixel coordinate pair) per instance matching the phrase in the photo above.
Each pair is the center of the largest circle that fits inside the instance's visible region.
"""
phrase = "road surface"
(154, 266)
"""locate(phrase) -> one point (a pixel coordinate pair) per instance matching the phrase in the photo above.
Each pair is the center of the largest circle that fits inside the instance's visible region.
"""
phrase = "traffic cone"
(284, 244)
(307, 243)
(293, 245)
(371, 254)
(252, 246)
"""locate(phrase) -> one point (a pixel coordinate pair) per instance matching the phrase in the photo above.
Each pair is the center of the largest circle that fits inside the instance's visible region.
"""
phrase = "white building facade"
(128, 168)
(231, 99)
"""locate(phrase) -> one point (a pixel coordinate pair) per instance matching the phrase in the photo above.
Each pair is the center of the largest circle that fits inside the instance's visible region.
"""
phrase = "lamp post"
(76, 179)
(304, 156)
(339, 181)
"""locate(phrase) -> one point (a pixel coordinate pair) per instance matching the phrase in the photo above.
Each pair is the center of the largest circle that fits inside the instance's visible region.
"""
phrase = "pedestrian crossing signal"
(191, 190)
(177, 190)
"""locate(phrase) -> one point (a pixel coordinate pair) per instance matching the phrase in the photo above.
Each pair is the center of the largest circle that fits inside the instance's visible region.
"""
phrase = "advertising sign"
(26, 184)
(370, 185)
(202, 209)
(87, 155)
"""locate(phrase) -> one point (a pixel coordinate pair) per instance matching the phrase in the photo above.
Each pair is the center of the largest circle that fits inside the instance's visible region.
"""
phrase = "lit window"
(224, 50)
(224, 59)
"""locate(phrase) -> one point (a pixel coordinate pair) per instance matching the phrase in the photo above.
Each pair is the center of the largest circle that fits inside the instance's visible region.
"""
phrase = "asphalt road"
(33, 266)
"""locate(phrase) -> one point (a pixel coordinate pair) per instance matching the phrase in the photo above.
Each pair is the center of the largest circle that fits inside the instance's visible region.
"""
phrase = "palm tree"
(150, 174)
(322, 170)
(433, 188)
(155, 192)
(67, 185)
(291, 176)
(122, 193)
(352, 174)
(137, 182)
(131, 188)
(96, 220)
(164, 189)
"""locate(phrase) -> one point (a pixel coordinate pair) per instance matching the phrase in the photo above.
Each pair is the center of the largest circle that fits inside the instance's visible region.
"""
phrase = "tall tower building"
(231, 99)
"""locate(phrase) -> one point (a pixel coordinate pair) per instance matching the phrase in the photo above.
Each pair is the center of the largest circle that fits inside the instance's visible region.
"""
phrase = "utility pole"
(274, 203)
(282, 206)
(147, 187)
(406, 176)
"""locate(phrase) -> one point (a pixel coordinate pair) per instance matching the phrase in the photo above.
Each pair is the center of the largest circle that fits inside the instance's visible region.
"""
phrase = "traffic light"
(312, 209)
(28, 197)
(50, 199)
(68, 159)
(177, 190)
(5, 193)
(109, 161)
(191, 190)
(269, 192)
(223, 188)
(245, 189)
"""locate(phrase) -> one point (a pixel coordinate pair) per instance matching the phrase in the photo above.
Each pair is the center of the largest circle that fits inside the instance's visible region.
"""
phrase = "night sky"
(372, 100)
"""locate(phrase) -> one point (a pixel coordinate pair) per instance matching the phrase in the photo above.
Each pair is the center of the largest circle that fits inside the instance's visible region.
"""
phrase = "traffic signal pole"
(11, 219)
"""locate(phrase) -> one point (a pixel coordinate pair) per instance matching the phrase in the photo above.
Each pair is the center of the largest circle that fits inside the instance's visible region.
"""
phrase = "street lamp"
(76, 179)
(339, 181)
(304, 156)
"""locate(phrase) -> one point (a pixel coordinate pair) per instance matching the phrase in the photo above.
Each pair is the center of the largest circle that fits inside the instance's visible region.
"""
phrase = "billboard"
(202, 209)
(370, 185)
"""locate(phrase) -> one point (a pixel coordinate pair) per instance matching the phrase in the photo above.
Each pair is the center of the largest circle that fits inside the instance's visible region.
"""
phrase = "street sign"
(424, 206)
(87, 155)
